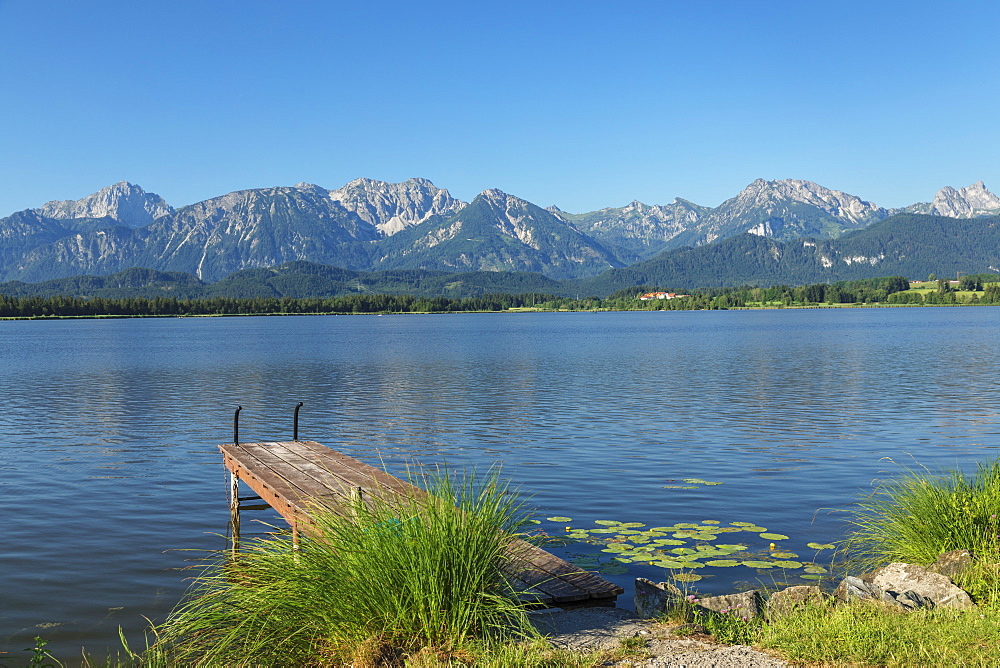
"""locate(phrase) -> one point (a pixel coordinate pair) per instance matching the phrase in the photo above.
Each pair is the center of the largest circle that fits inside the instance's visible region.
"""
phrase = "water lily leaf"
(812, 576)
(685, 534)
(788, 564)
(755, 529)
(784, 555)
(680, 487)
(821, 546)
(614, 569)
(632, 525)
(723, 563)
(687, 577)
(814, 569)
(734, 548)
(532, 521)
(584, 561)
(652, 533)
(705, 548)
(607, 523)
(686, 525)
(704, 536)
(693, 481)
(667, 541)
(627, 532)
(683, 550)
(758, 564)
(603, 531)
(774, 536)
(669, 563)
(712, 483)
(666, 529)
(726, 529)
(743, 524)
(711, 522)
(558, 518)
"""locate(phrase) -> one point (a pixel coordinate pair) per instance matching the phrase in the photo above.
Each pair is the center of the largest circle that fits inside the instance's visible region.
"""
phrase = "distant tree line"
(28, 307)
(887, 290)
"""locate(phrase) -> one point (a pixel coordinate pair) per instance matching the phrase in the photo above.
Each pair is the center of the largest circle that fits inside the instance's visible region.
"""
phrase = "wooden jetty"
(294, 476)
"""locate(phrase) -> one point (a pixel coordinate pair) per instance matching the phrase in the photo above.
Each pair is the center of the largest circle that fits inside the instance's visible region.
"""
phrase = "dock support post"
(234, 511)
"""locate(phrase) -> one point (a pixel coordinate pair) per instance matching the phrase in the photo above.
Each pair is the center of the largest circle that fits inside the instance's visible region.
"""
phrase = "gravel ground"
(591, 629)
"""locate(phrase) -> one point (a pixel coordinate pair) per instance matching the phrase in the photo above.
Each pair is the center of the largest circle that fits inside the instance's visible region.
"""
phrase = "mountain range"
(370, 226)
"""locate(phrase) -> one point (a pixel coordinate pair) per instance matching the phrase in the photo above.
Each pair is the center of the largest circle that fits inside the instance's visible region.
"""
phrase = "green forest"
(891, 290)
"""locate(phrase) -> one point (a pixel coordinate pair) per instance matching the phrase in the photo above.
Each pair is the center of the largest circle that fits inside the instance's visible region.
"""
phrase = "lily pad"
(687, 525)
(607, 523)
(559, 519)
(774, 536)
(821, 546)
(743, 524)
(614, 569)
(731, 547)
(680, 487)
(758, 564)
(784, 555)
(585, 562)
(632, 525)
(814, 569)
(711, 522)
(687, 577)
(723, 563)
(669, 563)
(683, 550)
(667, 541)
(788, 564)
(532, 521)
(812, 576)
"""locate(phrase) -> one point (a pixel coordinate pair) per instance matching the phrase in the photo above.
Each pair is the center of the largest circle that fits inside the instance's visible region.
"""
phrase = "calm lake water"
(111, 481)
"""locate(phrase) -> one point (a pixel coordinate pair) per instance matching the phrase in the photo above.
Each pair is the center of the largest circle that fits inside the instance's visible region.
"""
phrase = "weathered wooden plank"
(565, 571)
(255, 467)
(358, 473)
(323, 477)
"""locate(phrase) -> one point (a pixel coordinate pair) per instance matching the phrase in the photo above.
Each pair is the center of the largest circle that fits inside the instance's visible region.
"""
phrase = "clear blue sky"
(580, 104)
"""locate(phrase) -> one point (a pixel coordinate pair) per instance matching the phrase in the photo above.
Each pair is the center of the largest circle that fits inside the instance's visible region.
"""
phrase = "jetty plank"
(294, 477)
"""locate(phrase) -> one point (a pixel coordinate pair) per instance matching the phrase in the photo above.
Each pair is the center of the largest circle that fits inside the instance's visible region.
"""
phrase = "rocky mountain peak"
(834, 202)
(392, 207)
(125, 202)
(969, 202)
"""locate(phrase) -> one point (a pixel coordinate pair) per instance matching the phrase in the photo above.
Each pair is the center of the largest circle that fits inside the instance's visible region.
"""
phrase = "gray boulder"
(790, 599)
(653, 599)
(902, 579)
(856, 589)
(952, 564)
(744, 604)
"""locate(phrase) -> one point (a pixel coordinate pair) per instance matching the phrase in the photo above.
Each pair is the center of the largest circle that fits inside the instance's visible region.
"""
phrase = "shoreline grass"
(424, 602)
(368, 588)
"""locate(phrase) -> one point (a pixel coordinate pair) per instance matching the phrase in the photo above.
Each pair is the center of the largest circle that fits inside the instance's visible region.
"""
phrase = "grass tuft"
(920, 516)
(370, 587)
